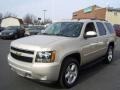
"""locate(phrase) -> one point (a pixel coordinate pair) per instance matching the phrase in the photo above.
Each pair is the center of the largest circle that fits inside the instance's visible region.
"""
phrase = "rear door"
(103, 39)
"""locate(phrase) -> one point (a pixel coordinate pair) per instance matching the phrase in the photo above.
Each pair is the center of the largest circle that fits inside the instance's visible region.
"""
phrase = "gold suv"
(58, 53)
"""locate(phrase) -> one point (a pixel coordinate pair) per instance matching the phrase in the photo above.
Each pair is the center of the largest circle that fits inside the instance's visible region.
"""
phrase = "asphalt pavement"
(98, 77)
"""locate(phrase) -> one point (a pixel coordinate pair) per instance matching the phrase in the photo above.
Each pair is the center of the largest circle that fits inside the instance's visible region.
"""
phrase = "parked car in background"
(1, 29)
(46, 25)
(117, 29)
(33, 30)
(12, 32)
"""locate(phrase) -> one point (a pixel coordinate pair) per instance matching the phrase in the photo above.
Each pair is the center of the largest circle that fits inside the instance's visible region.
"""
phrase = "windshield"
(36, 28)
(12, 27)
(68, 29)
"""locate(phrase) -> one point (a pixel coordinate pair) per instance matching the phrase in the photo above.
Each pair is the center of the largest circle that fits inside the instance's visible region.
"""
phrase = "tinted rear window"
(101, 28)
(109, 27)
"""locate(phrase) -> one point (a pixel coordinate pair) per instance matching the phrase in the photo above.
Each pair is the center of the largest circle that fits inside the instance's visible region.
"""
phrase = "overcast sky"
(56, 9)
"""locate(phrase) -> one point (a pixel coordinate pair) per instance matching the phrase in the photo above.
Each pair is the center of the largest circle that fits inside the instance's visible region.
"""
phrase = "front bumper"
(40, 71)
(6, 36)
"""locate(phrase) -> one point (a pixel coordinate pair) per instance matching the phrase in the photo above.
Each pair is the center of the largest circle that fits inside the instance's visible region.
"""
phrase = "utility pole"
(44, 11)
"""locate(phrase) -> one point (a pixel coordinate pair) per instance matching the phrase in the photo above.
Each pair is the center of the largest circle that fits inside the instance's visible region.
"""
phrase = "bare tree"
(1, 15)
(47, 21)
(29, 19)
(36, 21)
(8, 14)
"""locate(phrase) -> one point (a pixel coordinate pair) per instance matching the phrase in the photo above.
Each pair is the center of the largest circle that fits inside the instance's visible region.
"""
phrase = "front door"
(90, 45)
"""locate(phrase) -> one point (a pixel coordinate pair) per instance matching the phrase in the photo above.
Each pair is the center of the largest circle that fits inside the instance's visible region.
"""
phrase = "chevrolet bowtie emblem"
(18, 53)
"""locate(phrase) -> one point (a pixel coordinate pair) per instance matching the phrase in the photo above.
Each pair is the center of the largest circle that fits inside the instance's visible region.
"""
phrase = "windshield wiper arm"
(47, 34)
(59, 34)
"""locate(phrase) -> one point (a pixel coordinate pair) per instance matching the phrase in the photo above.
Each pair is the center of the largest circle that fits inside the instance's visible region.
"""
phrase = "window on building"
(101, 28)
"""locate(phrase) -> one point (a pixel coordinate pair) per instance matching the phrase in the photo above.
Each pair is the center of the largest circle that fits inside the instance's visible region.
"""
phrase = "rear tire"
(69, 74)
(109, 55)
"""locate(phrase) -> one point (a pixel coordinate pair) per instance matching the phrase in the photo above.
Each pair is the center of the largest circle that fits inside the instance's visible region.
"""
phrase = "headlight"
(0, 33)
(11, 33)
(45, 57)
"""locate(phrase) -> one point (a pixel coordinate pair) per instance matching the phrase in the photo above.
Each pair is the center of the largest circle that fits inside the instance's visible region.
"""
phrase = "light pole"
(44, 11)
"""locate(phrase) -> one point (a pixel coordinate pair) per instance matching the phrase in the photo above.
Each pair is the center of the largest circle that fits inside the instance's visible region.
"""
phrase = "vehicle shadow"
(7, 39)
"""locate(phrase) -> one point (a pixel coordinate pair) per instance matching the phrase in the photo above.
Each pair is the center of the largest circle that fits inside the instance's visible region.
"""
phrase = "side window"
(90, 27)
(109, 27)
(101, 28)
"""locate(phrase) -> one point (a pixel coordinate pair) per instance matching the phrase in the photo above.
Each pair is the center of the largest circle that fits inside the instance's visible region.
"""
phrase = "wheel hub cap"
(110, 55)
(71, 73)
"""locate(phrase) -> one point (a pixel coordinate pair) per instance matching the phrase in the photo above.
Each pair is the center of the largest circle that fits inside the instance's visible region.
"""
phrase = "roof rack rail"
(93, 19)
(98, 19)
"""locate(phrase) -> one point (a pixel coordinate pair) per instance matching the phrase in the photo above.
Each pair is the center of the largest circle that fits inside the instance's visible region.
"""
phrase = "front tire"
(69, 73)
(109, 55)
(15, 36)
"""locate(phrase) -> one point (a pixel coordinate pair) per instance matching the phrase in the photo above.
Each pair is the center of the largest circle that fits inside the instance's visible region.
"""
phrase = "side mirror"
(90, 34)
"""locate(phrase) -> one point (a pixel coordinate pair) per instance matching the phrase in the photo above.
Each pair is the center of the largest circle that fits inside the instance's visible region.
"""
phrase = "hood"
(8, 31)
(37, 42)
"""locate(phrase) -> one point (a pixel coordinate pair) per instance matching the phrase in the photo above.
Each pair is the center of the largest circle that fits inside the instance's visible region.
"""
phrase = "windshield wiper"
(62, 35)
(47, 34)
(44, 33)
(59, 34)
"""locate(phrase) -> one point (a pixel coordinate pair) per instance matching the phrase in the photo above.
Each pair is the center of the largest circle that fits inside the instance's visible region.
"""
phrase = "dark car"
(1, 29)
(34, 30)
(12, 32)
(117, 29)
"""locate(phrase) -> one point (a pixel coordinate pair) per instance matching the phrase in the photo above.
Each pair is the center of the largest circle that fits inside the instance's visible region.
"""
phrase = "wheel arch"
(75, 55)
(111, 44)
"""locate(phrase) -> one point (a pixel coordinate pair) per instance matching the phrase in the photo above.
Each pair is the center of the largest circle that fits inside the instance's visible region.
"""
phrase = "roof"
(88, 20)
(82, 20)
(20, 20)
(98, 7)
(113, 9)
(93, 6)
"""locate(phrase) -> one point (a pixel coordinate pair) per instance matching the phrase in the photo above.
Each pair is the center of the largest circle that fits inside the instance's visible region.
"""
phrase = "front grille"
(5, 34)
(22, 55)
(22, 58)
(20, 50)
